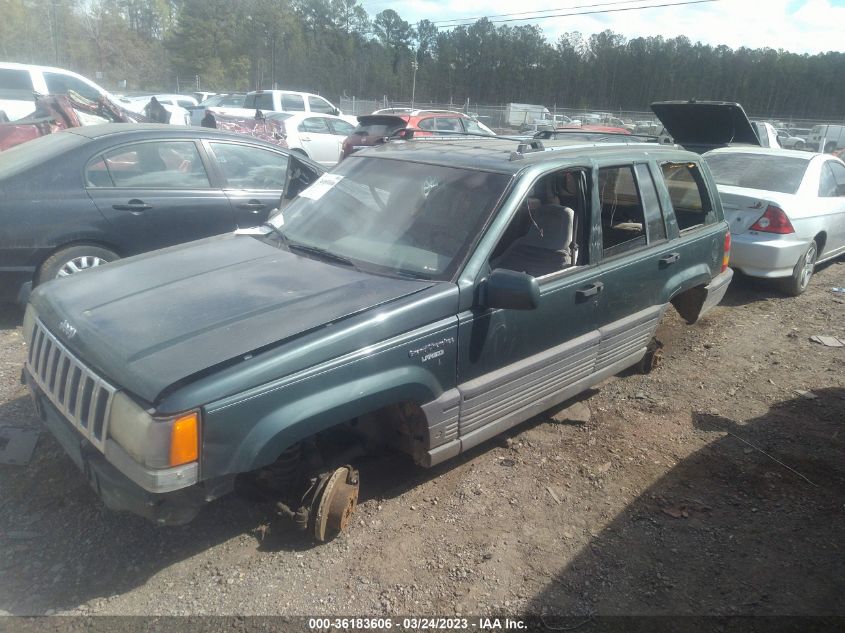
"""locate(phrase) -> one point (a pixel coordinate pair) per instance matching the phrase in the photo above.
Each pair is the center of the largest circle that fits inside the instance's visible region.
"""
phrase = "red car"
(383, 125)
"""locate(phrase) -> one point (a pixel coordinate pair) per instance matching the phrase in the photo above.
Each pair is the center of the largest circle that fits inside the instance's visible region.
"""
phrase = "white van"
(284, 101)
(827, 138)
(19, 82)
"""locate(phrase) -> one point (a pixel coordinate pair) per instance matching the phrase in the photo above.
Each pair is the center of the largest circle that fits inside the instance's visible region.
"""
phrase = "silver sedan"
(786, 210)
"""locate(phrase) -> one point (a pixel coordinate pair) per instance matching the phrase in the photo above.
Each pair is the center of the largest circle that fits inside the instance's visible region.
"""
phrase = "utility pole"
(273, 65)
(414, 64)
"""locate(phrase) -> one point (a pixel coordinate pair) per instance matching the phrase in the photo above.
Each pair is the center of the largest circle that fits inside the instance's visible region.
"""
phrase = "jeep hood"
(158, 319)
(704, 125)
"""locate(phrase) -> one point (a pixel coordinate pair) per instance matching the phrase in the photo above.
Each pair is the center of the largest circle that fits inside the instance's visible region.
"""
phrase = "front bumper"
(118, 492)
(758, 255)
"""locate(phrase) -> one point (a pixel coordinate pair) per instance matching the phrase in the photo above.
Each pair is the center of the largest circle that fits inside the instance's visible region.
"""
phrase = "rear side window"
(13, 79)
(688, 195)
(315, 125)
(248, 167)
(832, 183)
(320, 105)
(293, 103)
(160, 164)
(58, 84)
(341, 128)
(622, 216)
(448, 124)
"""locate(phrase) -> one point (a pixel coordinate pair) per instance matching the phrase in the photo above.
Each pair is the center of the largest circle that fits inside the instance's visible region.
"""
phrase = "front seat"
(545, 249)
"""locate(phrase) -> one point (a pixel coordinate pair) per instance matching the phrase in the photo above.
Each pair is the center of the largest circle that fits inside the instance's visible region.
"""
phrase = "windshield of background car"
(758, 171)
(394, 217)
(39, 150)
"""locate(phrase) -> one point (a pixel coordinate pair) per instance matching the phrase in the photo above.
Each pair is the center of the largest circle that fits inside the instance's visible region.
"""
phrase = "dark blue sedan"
(86, 196)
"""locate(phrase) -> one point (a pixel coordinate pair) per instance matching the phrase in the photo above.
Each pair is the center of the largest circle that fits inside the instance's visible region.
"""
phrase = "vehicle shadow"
(745, 290)
(61, 547)
(751, 524)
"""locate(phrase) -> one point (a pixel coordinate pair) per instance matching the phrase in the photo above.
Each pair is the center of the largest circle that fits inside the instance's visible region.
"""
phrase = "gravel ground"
(714, 485)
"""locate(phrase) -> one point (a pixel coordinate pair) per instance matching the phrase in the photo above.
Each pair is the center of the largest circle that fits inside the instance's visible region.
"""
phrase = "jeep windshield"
(393, 217)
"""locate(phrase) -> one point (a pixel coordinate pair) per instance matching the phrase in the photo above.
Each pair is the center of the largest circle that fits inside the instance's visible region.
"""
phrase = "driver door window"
(546, 235)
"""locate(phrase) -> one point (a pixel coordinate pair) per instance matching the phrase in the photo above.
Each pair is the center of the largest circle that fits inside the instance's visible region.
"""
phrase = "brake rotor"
(333, 506)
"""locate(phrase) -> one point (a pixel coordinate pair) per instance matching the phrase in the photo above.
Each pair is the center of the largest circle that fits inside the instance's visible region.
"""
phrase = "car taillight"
(726, 254)
(774, 220)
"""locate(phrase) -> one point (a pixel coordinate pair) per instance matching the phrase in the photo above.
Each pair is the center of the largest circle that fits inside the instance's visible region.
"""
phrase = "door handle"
(134, 206)
(253, 206)
(668, 260)
(304, 137)
(589, 290)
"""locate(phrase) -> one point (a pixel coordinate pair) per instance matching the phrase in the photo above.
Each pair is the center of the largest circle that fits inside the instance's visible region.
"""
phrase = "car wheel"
(74, 259)
(829, 147)
(799, 145)
(803, 271)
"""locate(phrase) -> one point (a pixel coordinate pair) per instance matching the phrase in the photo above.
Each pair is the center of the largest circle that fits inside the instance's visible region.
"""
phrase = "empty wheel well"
(820, 240)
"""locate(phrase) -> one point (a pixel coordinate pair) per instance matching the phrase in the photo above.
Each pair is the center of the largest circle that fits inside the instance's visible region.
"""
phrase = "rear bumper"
(764, 256)
(117, 491)
(716, 290)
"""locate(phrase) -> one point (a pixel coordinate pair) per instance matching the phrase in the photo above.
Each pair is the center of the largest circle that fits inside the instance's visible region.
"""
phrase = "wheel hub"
(334, 503)
(78, 264)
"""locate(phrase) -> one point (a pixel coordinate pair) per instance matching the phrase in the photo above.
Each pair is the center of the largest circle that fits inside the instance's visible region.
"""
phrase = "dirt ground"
(714, 485)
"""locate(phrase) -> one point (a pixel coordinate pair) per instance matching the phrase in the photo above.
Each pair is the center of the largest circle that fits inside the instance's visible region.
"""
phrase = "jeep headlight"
(152, 441)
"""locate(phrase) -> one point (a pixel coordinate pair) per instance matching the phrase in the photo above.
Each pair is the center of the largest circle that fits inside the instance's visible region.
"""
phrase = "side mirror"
(840, 190)
(336, 112)
(510, 290)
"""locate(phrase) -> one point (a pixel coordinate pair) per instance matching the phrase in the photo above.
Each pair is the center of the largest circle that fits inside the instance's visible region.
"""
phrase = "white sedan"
(786, 210)
(319, 136)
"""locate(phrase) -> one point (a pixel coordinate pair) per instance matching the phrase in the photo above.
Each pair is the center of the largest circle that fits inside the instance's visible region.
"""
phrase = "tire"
(799, 145)
(74, 259)
(802, 273)
(829, 147)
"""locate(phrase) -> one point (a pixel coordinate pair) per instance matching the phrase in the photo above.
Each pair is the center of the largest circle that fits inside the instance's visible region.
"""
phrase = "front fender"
(295, 421)
(250, 430)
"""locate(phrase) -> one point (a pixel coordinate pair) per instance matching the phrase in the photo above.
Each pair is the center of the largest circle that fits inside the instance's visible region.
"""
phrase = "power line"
(538, 11)
(563, 15)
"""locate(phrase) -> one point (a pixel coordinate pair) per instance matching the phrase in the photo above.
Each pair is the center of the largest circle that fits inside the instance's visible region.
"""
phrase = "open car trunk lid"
(700, 126)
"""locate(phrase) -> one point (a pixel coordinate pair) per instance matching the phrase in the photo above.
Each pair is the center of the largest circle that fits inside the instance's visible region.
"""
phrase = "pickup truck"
(425, 296)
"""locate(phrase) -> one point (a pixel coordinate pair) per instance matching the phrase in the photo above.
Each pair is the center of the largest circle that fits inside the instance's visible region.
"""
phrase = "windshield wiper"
(322, 253)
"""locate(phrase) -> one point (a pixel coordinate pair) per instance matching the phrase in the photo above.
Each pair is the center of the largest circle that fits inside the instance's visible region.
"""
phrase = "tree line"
(335, 48)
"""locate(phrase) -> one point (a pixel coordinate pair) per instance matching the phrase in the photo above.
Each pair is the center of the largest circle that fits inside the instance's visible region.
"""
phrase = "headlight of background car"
(154, 442)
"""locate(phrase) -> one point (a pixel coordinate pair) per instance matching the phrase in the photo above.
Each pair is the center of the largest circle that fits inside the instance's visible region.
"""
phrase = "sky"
(800, 26)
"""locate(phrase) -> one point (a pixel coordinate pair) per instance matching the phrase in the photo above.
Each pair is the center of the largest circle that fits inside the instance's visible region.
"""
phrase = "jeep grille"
(83, 397)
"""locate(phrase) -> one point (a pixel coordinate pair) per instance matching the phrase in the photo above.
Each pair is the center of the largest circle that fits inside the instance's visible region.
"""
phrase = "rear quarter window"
(688, 194)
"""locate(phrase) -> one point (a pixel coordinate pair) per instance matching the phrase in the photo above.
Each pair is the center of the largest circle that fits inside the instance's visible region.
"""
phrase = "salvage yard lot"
(668, 499)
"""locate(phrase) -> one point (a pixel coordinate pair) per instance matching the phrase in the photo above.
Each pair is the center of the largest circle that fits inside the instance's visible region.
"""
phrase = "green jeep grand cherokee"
(425, 296)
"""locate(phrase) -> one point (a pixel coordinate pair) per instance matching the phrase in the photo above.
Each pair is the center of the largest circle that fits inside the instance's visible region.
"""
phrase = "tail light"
(726, 254)
(774, 220)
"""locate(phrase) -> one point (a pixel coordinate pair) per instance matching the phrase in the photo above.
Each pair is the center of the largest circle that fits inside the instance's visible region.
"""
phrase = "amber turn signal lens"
(184, 439)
